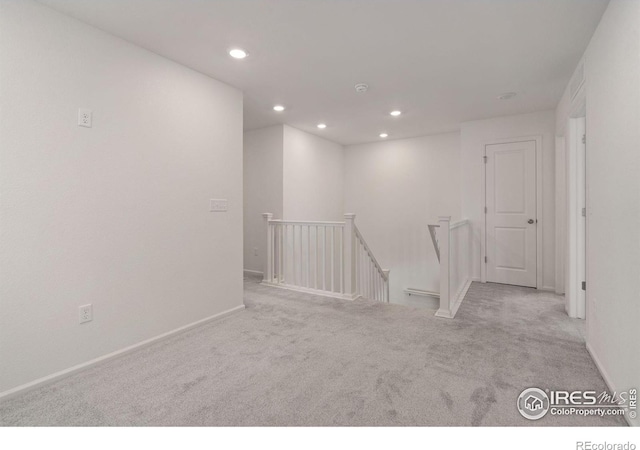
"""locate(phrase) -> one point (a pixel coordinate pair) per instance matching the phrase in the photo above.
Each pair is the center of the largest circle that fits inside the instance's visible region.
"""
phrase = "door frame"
(577, 239)
(574, 306)
(483, 231)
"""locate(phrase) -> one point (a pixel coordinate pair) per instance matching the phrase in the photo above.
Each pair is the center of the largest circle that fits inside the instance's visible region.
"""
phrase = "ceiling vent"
(577, 80)
(361, 88)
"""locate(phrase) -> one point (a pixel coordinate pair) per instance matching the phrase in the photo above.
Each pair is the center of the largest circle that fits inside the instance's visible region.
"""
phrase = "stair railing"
(325, 258)
(452, 244)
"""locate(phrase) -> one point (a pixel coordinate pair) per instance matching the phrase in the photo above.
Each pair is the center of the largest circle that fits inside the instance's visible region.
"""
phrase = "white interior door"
(511, 222)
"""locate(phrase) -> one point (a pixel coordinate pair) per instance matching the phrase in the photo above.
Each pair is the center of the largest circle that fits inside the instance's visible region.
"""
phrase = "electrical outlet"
(85, 313)
(85, 117)
(219, 205)
(255, 251)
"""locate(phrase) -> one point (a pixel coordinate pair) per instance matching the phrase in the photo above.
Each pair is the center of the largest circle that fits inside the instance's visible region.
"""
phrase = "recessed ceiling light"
(395, 113)
(238, 53)
(507, 96)
(278, 108)
(322, 126)
(383, 135)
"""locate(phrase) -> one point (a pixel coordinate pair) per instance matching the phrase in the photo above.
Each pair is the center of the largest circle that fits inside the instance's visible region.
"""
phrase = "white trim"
(575, 247)
(306, 222)
(548, 289)
(421, 293)
(461, 295)
(290, 287)
(86, 365)
(577, 109)
(561, 214)
(609, 383)
(539, 199)
(254, 272)
(457, 302)
(455, 225)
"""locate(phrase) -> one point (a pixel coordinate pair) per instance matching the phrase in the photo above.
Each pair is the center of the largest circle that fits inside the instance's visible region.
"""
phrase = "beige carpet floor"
(297, 359)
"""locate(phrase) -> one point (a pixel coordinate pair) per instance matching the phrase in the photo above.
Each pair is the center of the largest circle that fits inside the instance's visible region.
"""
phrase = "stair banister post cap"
(349, 216)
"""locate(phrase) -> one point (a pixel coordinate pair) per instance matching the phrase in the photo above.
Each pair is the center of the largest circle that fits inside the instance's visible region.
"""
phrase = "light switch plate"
(219, 205)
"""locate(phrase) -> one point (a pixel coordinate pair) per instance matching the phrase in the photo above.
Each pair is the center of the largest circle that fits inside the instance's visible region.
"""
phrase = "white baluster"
(308, 258)
(372, 283)
(386, 285)
(317, 255)
(365, 271)
(281, 271)
(324, 258)
(362, 270)
(348, 249)
(373, 279)
(369, 273)
(294, 266)
(268, 257)
(359, 269)
(333, 244)
(300, 256)
(341, 253)
(443, 242)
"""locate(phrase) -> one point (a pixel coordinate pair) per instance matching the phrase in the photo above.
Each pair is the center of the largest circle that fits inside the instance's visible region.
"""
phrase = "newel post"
(386, 284)
(349, 255)
(267, 265)
(443, 243)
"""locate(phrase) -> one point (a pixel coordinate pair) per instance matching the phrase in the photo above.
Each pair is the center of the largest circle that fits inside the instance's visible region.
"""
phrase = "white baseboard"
(321, 293)
(632, 422)
(254, 272)
(457, 301)
(460, 297)
(421, 293)
(80, 367)
(548, 288)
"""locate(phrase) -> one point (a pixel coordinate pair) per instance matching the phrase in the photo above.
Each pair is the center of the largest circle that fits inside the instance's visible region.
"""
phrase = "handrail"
(306, 222)
(459, 223)
(434, 239)
(370, 253)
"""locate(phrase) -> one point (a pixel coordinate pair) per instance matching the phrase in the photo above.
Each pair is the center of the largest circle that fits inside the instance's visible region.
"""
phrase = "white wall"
(116, 215)
(396, 188)
(474, 135)
(263, 174)
(313, 177)
(292, 174)
(612, 70)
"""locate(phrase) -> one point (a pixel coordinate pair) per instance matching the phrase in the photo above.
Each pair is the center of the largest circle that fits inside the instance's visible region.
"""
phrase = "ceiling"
(441, 62)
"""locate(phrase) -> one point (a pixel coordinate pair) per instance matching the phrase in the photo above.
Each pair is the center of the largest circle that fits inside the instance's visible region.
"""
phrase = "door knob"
(530, 220)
